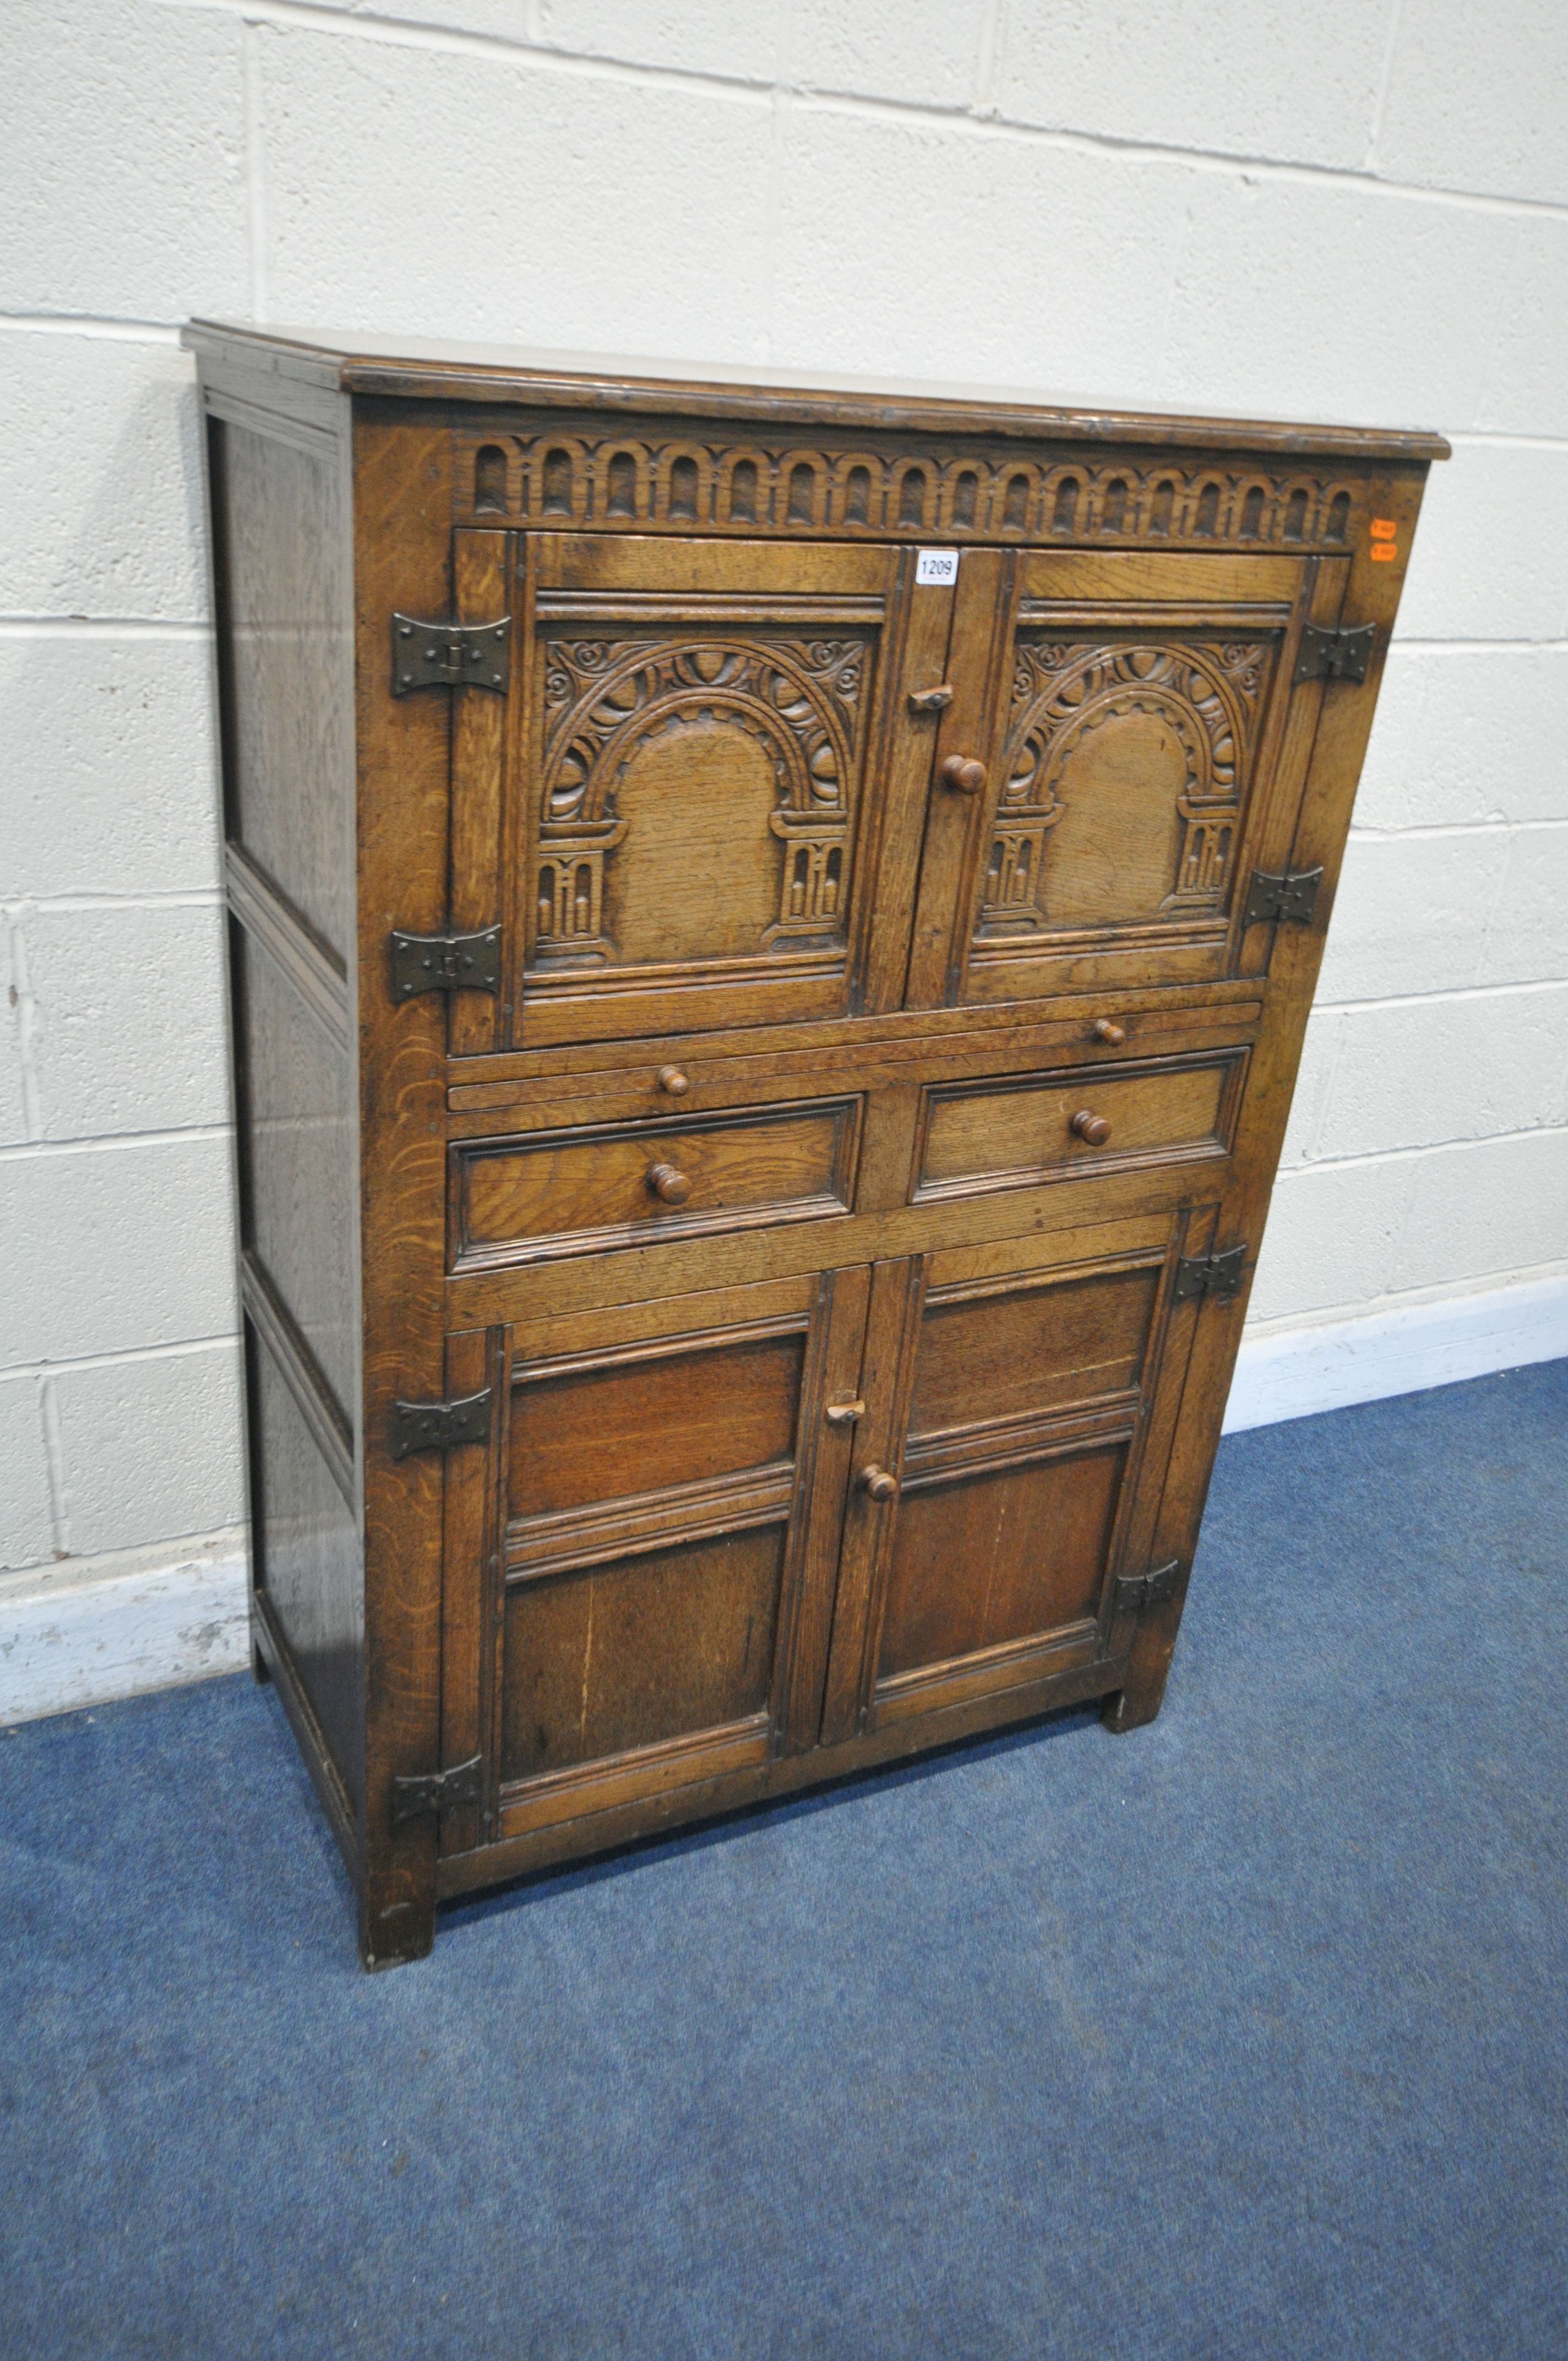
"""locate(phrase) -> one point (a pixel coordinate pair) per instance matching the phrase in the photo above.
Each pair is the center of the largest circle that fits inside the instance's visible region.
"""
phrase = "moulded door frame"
(1007, 592)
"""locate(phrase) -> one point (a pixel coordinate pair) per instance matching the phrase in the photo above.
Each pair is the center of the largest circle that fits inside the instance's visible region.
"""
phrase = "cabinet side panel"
(295, 1103)
(306, 1543)
(283, 588)
(283, 566)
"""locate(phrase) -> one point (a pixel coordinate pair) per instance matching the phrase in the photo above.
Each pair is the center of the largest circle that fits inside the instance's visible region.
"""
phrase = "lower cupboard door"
(639, 1563)
(1021, 1405)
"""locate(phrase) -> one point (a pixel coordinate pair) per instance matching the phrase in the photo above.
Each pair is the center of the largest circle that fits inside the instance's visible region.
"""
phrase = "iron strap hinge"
(1218, 1275)
(450, 656)
(1136, 1592)
(446, 963)
(435, 1791)
(1287, 898)
(1330, 653)
(440, 1425)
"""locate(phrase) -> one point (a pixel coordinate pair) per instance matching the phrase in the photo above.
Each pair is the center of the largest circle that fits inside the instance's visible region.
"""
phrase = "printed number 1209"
(938, 565)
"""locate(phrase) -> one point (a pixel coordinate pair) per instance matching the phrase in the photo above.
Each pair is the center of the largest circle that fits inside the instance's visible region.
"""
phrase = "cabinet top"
(418, 369)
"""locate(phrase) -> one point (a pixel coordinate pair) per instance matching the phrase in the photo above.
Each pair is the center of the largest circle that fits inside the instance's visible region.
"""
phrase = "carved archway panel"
(1125, 776)
(755, 743)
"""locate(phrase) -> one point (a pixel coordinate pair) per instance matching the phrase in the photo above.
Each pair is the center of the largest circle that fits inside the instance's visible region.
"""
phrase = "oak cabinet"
(770, 936)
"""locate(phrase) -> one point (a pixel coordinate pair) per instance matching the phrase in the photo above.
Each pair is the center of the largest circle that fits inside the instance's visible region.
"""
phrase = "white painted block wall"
(1354, 211)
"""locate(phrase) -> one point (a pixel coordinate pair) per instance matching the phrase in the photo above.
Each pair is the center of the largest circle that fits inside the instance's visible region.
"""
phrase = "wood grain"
(450, 370)
(592, 1188)
(982, 1135)
(403, 563)
(879, 1032)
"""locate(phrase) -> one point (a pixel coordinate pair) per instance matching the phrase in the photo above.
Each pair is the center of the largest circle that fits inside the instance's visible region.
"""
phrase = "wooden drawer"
(686, 1074)
(599, 1186)
(1016, 1132)
(858, 1129)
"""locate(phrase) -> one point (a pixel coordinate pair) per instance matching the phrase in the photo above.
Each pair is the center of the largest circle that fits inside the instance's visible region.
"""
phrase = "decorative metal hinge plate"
(450, 656)
(442, 1426)
(1136, 1592)
(1333, 655)
(1288, 898)
(446, 963)
(1212, 1274)
(435, 1791)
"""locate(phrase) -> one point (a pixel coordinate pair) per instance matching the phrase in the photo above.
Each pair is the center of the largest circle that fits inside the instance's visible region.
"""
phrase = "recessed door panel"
(640, 1651)
(993, 1559)
(1005, 1349)
(689, 1413)
(1143, 749)
(1123, 771)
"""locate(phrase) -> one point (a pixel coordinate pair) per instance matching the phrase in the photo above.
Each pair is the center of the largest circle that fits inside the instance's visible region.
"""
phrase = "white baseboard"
(89, 1630)
(1297, 1371)
(94, 1629)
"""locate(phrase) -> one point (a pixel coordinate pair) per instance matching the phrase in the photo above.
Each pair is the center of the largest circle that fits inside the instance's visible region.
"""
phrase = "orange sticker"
(1383, 529)
(1384, 549)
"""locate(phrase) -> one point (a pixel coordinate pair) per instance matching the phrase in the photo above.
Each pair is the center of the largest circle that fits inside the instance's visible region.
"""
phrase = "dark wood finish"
(808, 1219)
(428, 369)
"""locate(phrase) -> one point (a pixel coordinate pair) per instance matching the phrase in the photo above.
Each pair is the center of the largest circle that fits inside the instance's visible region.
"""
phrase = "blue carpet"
(1243, 2036)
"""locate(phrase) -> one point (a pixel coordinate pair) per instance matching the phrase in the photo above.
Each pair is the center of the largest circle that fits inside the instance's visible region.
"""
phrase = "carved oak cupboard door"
(641, 1559)
(712, 758)
(1021, 1402)
(1138, 748)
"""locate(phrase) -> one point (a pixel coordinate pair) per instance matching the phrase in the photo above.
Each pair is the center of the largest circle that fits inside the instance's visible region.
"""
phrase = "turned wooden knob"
(670, 1079)
(667, 1181)
(1092, 1127)
(962, 771)
(1106, 1031)
(879, 1483)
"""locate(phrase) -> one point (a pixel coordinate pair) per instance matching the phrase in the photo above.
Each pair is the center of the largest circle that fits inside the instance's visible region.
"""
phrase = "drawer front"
(606, 1185)
(685, 1075)
(1016, 1132)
